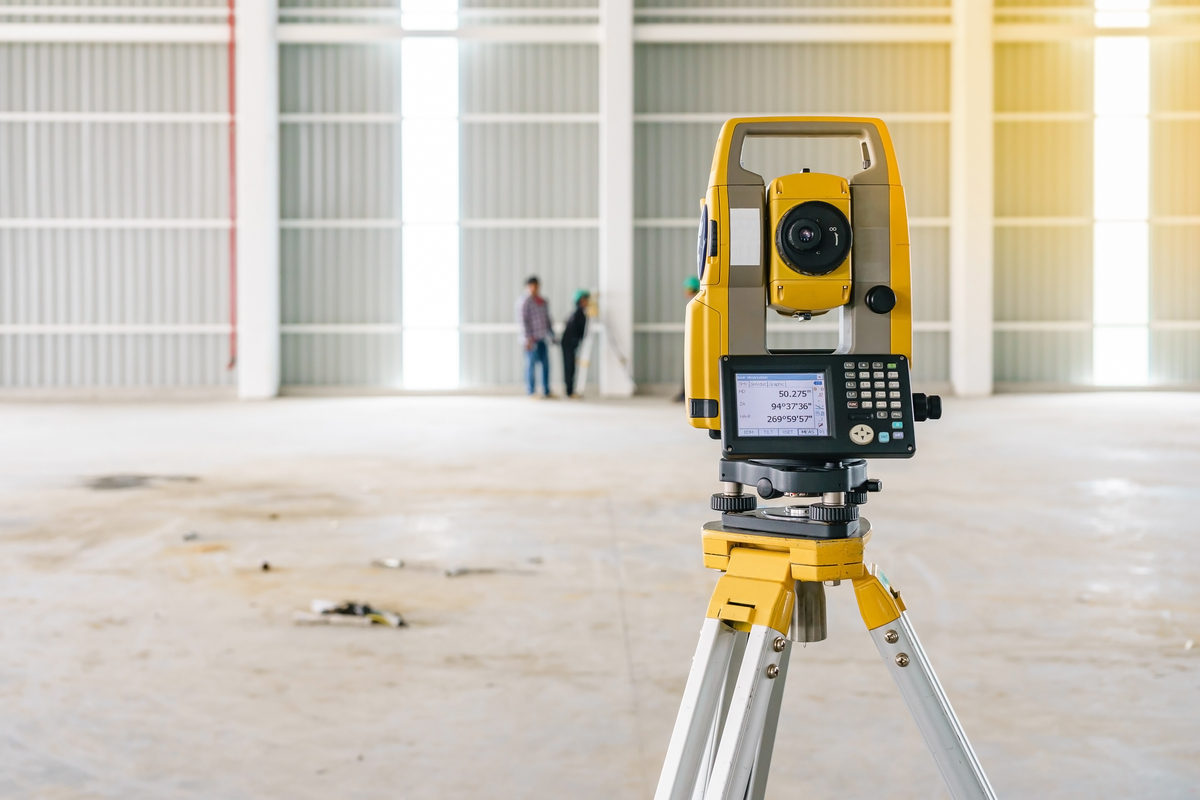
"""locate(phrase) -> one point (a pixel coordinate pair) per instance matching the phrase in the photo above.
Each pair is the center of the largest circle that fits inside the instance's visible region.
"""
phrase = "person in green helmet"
(572, 335)
(691, 288)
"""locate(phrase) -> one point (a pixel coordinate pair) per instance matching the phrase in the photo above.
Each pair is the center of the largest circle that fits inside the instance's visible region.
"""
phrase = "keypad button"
(897, 425)
(864, 365)
(897, 404)
(848, 365)
(878, 384)
(891, 366)
(849, 375)
(877, 365)
(851, 385)
(868, 404)
(893, 384)
(884, 437)
(881, 414)
(894, 395)
(893, 374)
(897, 415)
(851, 404)
(878, 375)
(864, 375)
(852, 395)
(880, 395)
(898, 435)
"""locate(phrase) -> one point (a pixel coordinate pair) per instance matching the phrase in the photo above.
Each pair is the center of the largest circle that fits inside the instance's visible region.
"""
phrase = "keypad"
(874, 387)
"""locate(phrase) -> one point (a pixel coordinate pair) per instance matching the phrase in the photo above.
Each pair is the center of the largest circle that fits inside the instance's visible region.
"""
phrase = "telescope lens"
(813, 237)
(804, 234)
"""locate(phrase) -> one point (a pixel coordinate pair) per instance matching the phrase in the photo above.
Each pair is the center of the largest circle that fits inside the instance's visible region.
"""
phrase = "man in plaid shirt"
(534, 317)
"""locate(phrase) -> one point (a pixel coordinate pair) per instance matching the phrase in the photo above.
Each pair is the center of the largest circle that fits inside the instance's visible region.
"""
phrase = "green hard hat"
(691, 283)
(579, 295)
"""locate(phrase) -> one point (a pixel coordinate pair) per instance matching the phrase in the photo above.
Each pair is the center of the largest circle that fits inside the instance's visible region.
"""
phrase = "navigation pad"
(816, 405)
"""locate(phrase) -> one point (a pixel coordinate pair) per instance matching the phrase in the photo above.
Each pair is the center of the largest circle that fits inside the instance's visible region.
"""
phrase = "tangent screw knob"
(891, 637)
(902, 660)
(772, 671)
(779, 644)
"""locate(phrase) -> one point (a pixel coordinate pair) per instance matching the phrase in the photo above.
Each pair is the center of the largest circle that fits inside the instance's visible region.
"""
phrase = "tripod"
(777, 561)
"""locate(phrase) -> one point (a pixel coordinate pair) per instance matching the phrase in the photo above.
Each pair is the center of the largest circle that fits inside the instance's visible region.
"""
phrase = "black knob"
(881, 299)
(873, 485)
(857, 498)
(765, 490)
(733, 502)
(926, 407)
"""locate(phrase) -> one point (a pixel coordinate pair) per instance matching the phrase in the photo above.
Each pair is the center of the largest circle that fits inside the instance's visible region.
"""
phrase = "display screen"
(781, 404)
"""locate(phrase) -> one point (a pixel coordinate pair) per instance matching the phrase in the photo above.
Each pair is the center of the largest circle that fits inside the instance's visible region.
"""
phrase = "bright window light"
(1121, 205)
(1122, 13)
(430, 203)
(429, 15)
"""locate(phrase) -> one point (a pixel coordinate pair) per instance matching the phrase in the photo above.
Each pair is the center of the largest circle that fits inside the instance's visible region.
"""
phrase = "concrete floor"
(1046, 545)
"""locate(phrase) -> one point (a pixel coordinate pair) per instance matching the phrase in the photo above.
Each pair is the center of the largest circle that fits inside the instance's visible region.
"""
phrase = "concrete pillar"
(616, 196)
(971, 201)
(257, 121)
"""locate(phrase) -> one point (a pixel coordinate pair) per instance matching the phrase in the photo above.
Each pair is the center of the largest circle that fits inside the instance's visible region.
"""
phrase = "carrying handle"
(876, 152)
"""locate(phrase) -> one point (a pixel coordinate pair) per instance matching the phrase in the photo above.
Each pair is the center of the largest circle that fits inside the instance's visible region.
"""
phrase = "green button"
(897, 424)
(891, 366)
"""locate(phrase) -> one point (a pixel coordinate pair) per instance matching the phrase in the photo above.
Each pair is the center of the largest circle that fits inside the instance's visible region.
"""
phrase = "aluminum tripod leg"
(919, 686)
(698, 728)
(762, 765)
(748, 710)
(698, 713)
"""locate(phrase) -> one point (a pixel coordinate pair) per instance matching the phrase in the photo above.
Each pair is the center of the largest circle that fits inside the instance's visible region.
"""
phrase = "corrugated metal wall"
(113, 215)
(1043, 206)
(685, 91)
(1175, 212)
(529, 195)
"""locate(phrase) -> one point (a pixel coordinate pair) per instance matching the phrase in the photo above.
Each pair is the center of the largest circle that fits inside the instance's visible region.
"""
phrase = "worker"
(533, 315)
(572, 335)
(691, 288)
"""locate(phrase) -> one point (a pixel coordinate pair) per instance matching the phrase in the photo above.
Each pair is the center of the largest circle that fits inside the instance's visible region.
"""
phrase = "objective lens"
(804, 234)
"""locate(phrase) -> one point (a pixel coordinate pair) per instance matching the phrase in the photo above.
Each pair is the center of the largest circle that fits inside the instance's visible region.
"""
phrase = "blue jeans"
(540, 354)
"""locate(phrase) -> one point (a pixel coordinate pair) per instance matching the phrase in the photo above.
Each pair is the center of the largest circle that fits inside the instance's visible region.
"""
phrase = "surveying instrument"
(798, 424)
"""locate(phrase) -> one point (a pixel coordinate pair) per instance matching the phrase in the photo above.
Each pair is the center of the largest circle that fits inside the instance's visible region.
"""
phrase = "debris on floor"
(111, 482)
(188, 537)
(455, 572)
(327, 612)
(389, 563)
(266, 566)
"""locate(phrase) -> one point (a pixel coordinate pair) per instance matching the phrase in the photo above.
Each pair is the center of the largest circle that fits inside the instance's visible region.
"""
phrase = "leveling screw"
(779, 644)
(902, 660)
(772, 671)
(891, 637)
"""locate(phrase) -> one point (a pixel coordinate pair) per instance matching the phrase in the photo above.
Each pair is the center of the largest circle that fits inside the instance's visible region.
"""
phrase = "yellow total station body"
(808, 244)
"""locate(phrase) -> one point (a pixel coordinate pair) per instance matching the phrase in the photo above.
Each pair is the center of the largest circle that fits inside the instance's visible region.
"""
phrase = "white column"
(971, 204)
(616, 196)
(257, 122)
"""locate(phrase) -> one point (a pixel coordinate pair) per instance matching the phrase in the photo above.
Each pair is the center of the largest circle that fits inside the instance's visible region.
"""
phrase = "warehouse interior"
(258, 353)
